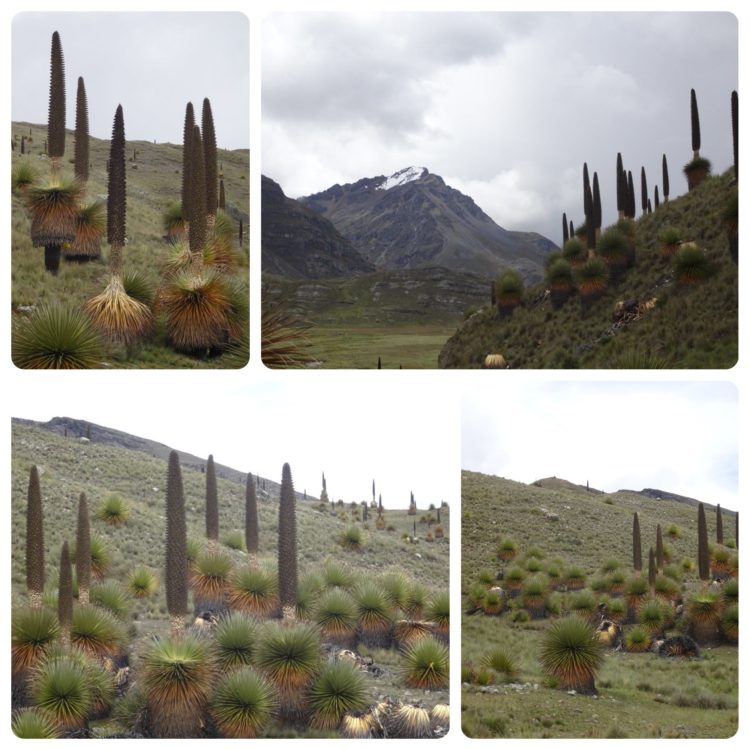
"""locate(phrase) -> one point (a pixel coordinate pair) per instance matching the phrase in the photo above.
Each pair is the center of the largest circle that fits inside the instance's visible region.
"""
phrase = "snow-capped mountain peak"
(408, 174)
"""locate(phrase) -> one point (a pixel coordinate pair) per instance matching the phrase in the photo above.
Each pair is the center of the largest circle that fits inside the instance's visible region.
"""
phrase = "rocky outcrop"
(299, 243)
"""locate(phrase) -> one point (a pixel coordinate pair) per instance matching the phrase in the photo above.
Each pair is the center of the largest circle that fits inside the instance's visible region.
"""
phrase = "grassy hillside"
(640, 695)
(153, 183)
(70, 465)
(690, 327)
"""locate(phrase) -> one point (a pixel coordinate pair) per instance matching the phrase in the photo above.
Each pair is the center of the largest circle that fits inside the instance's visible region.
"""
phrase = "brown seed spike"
(81, 152)
(56, 115)
(186, 138)
(197, 198)
(34, 540)
(176, 542)
(209, 157)
(287, 545)
(116, 183)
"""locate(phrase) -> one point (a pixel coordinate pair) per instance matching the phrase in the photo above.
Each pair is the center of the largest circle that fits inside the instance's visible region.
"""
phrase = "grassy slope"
(640, 696)
(152, 186)
(69, 467)
(537, 336)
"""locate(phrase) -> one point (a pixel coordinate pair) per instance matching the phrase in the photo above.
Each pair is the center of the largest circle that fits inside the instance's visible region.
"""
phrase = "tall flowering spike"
(65, 595)
(287, 546)
(703, 554)
(81, 151)
(631, 197)
(116, 184)
(251, 520)
(187, 137)
(566, 236)
(664, 178)
(597, 203)
(620, 187)
(56, 115)
(176, 546)
(209, 157)
(83, 551)
(659, 548)
(656, 197)
(212, 503)
(735, 133)
(588, 207)
(34, 540)
(651, 568)
(644, 190)
(695, 124)
(719, 526)
(637, 556)
(590, 223)
(222, 198)
(197, 198)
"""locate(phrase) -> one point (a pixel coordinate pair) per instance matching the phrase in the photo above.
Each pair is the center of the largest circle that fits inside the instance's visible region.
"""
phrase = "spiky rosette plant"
(574, 252)
(506, 549)
(209, 579)
(583, 604)
(374, 616)
(352, 539)
(251, 521)
(503, 662)
(575, 578)
(572, 653)
(426, 665)
(591, 279)
(243, 704)
(415, 601)
(637, 640)
(438, 613)
(34, 540)
(81, 148)
(636, 590)
(235, 640)
(533, 596)
(704, 611)
(408, 632)
(283, 338)
(335, 574)
(173, 224)
(616, 582)
(339, 689)
(396, 587)
(118, 316)
(336, 615)
(141, 582)
(112, 597)
(96, 632)
(61, 689)
(730, 592)
(22, 178)
(99, 555)
(651, 616)
(34, 724)
(54, 217)
(113, 510)
(410, 722)
(670, 239)
(560, 282)
(491, 602)
(176, 677)
(33, 633)
(90, 225)
(357, 725)
(509, 290)
(614, 248)
(730, 623)
(176, 573)
(56, 337)
(196, 309)
(289, 655)
(691, 265)
(287, 549)
(254, 590)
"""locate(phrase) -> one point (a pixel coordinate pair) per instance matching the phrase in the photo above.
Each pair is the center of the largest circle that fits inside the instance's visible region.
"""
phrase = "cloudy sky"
(506, 107)
(679, 437)
(151, 63)
(355, 432)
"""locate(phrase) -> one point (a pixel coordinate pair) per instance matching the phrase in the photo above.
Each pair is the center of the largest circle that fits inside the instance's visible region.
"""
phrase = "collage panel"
(174, 578)
(130, 181)
(599, 561)
(477, 190)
